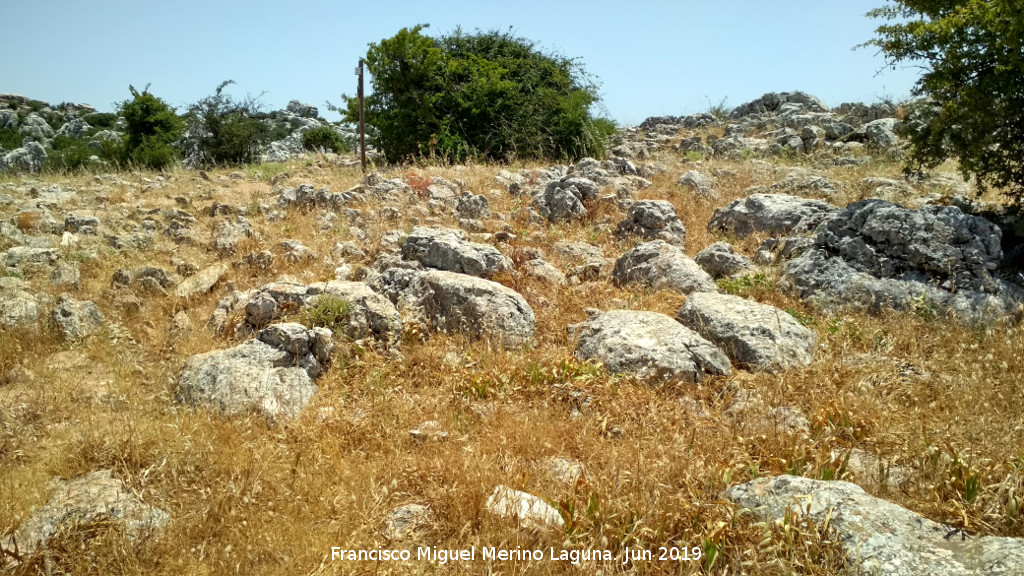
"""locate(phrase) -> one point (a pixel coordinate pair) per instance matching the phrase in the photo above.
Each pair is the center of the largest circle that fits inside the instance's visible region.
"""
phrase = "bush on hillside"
(228, 131)
(486, 95)
(324, 138)
(152, 129)
(69, 154)
(101, 120)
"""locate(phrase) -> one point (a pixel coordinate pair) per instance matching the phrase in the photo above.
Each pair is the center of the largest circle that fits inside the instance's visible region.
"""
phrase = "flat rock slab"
(202, 281)
(660, 265)
(879, 536)
(273, 375)
(447, 249)
(758, 335)
(773, 213)
(86, 499)
(457, 303)
(648, 345)
(531, 511)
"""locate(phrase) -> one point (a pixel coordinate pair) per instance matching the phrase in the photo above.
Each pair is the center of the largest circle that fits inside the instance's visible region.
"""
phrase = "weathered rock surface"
(406, 522)
(877, 255)
(76, 319)
(369, 315)
(653, 220)
(648, 345)
(18, 306)
(447, 249)
(774, 213)
(720, 260)
(94, 497)
(273, 374)
(201, 282)
(751, 333)
(660, 265)
(880, 537)
(530, 511)
(451, 302)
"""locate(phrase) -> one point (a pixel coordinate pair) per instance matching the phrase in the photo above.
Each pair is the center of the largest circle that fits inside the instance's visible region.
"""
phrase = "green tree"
(152, 129)
(228, 131)
(488, 95)
(972, 56)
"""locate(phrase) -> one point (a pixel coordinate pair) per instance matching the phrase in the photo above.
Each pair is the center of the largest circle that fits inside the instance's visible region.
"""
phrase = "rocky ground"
(749, 337)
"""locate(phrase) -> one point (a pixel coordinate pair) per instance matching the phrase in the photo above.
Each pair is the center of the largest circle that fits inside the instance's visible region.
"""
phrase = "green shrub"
(10, 138)
(101, 120)
(324, 138)
(232, 132)
(152, 130)
(328, 311)
(69, 154)
(488, 95)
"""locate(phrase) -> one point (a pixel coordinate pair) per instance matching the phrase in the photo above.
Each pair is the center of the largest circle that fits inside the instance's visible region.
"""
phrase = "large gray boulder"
(721, 260)
(653, 220)
(30, 158)
(76, 319)
(940, 243)
(35, 126)
(880, 537)
(773, 213)
(94, 497)
(876, 255)
(457, 303)
(272, 375)
(881, 133)
(561, 201)
(648, 345)
(757, 335)
(660, 265)
(773, 102)
(834, 285)
(8, 119)
(18, 306)
(74, 128)
(447, 249)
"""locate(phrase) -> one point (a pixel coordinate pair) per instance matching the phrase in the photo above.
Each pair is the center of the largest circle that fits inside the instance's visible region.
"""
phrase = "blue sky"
(652, 58)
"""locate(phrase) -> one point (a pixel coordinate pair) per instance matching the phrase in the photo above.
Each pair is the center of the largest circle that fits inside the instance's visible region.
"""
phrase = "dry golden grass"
(942, 401)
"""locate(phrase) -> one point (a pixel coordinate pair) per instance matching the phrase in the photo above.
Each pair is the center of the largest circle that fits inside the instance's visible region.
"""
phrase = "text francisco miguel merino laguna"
(442, 556)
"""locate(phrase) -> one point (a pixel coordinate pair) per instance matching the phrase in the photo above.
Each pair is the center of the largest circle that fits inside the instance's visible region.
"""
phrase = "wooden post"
(362, 124)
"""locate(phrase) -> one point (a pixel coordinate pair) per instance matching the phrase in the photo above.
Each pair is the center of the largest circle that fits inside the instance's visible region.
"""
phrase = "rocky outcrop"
(720, 260)
(648, 345)
(659, 265)
(76, 319)
(447, 249)
(773, 213)
(880, 537)
(456, 303)
(753, 334)
(368, 316)
(653, 220)
(94, 497)
(877, 255)
(272, 374)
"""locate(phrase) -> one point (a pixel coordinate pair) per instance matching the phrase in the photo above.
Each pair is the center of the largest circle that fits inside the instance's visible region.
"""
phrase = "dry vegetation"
(247, 497)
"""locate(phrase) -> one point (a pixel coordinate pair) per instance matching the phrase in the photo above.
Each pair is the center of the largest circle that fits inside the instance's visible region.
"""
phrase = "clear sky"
(652, 58)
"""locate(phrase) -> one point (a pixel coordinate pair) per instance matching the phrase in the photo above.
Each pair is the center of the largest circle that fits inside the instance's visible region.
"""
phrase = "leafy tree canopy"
(152, 129)
(486, 95)
(972, 55)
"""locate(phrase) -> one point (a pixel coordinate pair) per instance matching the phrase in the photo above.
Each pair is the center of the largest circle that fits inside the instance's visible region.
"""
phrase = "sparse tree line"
(494, 97)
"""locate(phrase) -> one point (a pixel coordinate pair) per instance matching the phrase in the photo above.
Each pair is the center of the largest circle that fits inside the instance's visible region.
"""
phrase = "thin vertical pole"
(362, 124)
